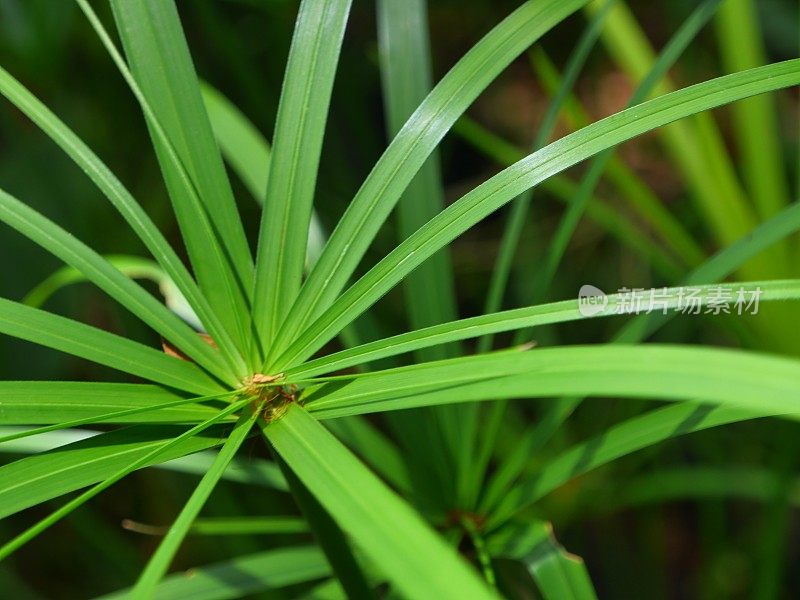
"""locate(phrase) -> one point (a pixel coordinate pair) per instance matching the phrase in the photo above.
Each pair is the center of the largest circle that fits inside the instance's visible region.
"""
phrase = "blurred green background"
(687, 547)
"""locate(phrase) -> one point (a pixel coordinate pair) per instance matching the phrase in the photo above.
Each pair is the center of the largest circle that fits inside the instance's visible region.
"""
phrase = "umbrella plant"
(259, 336)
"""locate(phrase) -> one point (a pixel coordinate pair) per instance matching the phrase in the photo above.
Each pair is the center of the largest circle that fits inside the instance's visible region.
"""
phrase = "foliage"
(446, 505)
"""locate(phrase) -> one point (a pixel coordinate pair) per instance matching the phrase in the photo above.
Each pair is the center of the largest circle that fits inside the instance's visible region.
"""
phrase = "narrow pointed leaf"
(221, 273)
(411, 148)
(127, 206)
(102, 347)
(329, 537)
(123, 289)
(519, 209)
(132, 266)
(618, 224)
(36, 479)
(375, 448)
(45, 402)
(407, 79)
(620, 440)
(756, 119)
(406, 76)
(296, 147)
(697, 148)
(242, 576)
(152, 456)
(414, 558)
(242, 145)
(504, 186)
(666, 59)
(732, 378)
(719, 266)
(159, 59)
(248, 153)
(252, 472)
(558, 574)
(542, 314)
(160, 561)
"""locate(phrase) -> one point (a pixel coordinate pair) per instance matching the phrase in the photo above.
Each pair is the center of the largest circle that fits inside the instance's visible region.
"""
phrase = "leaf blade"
(158, 564)
(296, 148)
(622, 439)
(557, 573)
(35, 479)
(523, 318)
(160, 61)
(122, 200)
(107, 277)
(411, 147)
(46, 402)
(501, 188)
(380, 523)
(241, 576)
(733, 378)
(102, 347)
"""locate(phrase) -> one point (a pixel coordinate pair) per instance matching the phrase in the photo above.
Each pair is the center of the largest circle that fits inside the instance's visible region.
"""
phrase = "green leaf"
(36, 479)
(249, 155)
(46, 402)
(558, 574)
(406, 77)
(222, 273)
(159, 563)
(329, 537)
(242, 576)
(132, 266)
(533, 441)
(722, 264)
(580, 200)
(242, 470)
(638, 194)
(523, 318)
(696, 147)
(410, 149)
(557, 248)
(620, 440)
(374, 448)
(248, 471)
(149, 457)
(518, 214)
(159, 59)
(329, 590)
(666, 59)
(122, 200)
(249, 526)
(717, 267)
(741, 379)
(110, 417)
(103, 348)
(296, 148)
(382, 525)
(504, 186)
(618, 224)
(755, 120)
(107, 277)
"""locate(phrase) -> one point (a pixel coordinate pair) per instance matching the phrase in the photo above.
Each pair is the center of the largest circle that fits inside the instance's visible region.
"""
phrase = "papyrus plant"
(429, 521)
